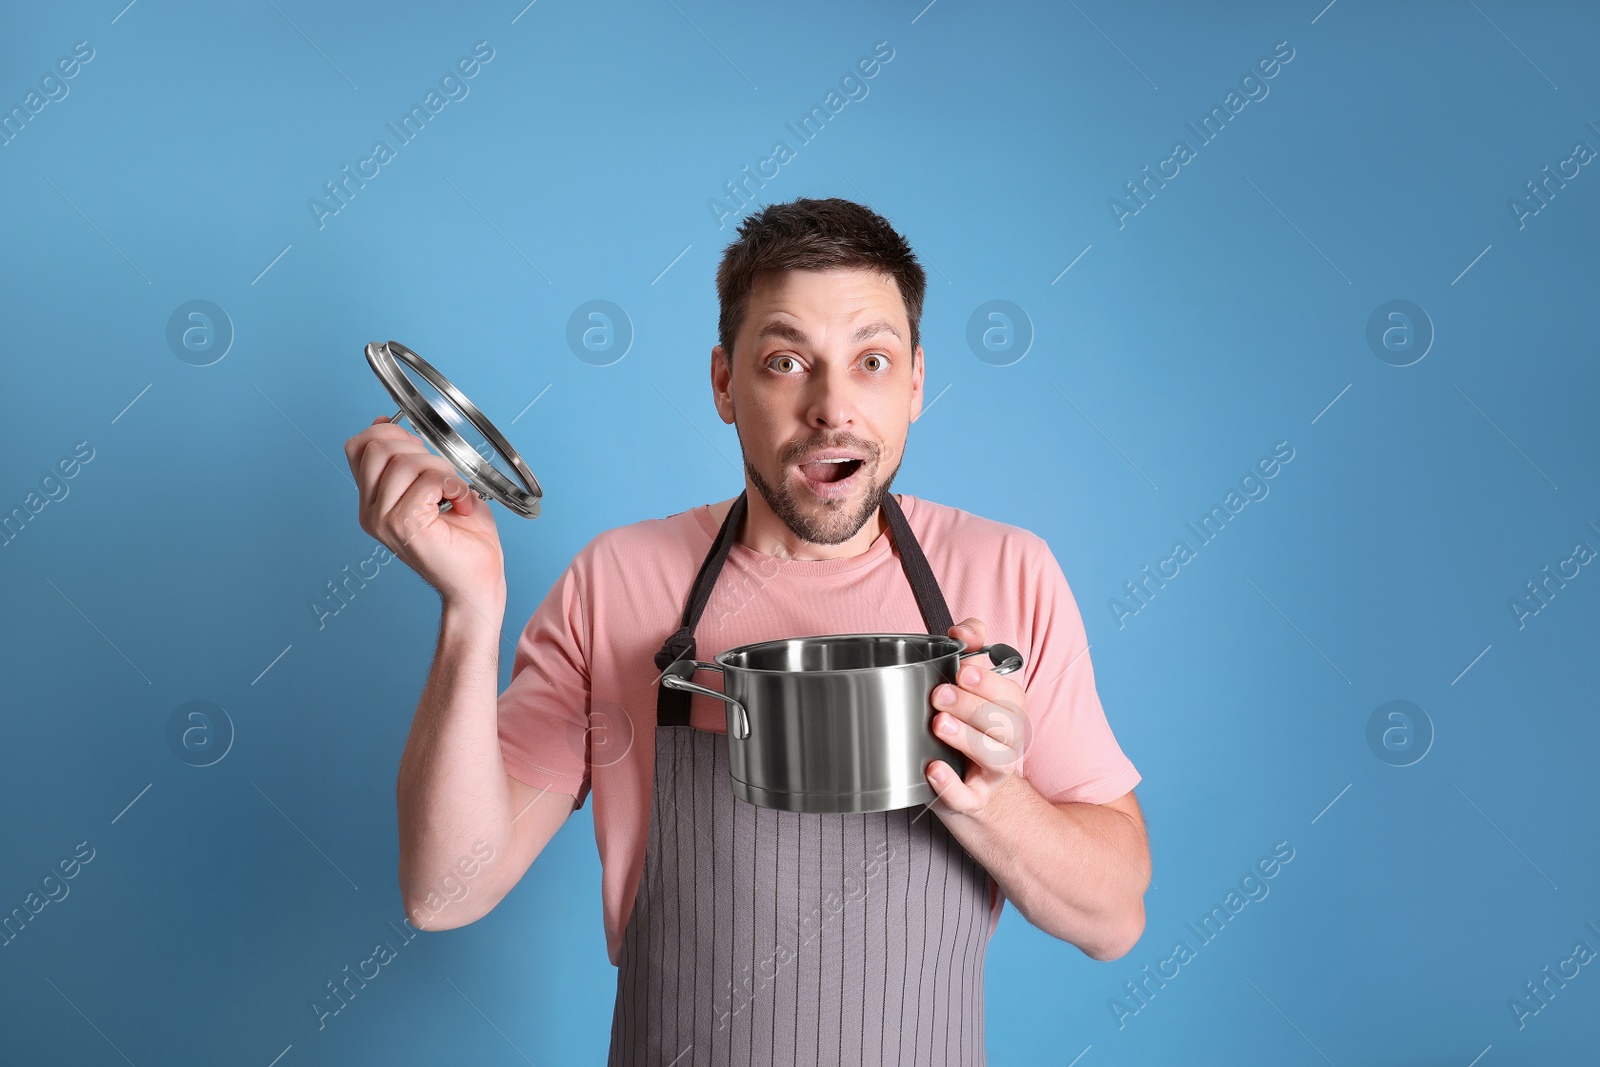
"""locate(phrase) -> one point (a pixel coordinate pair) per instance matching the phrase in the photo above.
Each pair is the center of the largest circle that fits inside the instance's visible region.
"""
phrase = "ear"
(918, 362)
(722, 383)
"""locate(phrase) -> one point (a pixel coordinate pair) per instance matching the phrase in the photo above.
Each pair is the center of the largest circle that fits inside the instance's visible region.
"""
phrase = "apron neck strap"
(924, 586)
(681, 644)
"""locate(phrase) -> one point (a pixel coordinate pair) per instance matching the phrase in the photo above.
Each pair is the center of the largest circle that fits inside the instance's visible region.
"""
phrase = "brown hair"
(807, 234)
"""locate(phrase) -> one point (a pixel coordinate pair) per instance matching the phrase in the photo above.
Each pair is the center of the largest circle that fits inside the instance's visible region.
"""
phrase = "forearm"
(451, 792)
(1076, 871)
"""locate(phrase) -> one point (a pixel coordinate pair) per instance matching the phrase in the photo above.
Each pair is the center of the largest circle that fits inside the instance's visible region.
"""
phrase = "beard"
(818, 521)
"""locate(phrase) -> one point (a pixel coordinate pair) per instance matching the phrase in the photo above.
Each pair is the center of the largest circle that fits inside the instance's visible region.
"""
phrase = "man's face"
(822, 363)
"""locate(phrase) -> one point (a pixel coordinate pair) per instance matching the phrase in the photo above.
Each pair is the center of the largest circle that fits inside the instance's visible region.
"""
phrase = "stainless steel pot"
(838, 723)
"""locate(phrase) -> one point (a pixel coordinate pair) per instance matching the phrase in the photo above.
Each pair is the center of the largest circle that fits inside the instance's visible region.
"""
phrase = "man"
(741, 931)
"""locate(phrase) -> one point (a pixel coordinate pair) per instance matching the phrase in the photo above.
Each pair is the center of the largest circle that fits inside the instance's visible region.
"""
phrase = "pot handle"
(1005, 658)
(676, 676)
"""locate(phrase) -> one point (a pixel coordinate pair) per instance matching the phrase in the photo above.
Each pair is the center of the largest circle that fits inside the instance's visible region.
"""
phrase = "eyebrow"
(792, 333)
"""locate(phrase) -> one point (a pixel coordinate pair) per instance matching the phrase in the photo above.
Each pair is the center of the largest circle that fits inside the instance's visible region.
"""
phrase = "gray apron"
(762, 937)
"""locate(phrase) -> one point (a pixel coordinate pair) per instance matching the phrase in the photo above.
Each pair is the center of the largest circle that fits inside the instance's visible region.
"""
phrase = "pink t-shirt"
(579, 713)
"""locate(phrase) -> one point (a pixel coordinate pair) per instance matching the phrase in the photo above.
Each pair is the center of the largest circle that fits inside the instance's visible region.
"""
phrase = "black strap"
(672, 705)
(924, 586)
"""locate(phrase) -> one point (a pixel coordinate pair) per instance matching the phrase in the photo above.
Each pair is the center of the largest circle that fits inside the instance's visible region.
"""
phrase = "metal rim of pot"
(1005, 659)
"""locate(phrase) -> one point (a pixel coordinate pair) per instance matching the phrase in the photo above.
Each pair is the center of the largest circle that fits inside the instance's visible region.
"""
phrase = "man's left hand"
(986, 723)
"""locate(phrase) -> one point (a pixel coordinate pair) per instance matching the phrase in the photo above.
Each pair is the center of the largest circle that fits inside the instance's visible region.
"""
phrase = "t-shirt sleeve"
(543, 713)
(1069, 753)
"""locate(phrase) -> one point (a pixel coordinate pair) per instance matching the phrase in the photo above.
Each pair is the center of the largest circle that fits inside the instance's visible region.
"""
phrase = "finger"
(1001, 718)
(981, 680)
(359, 451)
(405, 471)
(975, 687)
(951, 791)
(369, 434)
(971, 630)
(463, 501)
(416, 509)
(379, 452)
(373, 460)
(985, 746)
(354, 446)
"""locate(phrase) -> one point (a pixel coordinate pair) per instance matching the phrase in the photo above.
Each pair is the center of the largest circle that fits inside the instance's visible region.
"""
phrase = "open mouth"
(831, 477)
(830, 470)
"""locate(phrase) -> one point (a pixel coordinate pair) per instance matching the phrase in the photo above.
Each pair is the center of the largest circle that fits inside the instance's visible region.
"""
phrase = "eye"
(879, 357)
(773, 362)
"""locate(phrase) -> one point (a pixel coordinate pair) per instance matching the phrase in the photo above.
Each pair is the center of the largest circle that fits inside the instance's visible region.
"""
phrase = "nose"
(830, 398)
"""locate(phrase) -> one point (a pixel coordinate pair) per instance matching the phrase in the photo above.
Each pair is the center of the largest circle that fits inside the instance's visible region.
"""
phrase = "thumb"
(971, 630)
(462, 499)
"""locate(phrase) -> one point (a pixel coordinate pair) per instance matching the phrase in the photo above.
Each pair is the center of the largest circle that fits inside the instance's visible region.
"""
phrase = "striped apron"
(761, 937)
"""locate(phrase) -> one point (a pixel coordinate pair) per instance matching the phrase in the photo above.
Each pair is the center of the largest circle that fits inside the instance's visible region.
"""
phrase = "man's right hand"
(401, 484)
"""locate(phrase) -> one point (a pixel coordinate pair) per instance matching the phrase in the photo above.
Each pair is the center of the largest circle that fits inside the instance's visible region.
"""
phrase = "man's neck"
(762, 531)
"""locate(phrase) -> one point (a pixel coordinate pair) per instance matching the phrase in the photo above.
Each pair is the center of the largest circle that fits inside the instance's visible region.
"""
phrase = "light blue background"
(1227, 315)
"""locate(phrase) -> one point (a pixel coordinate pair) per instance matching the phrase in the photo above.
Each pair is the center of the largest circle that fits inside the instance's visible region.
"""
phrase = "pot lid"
(454, 426)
